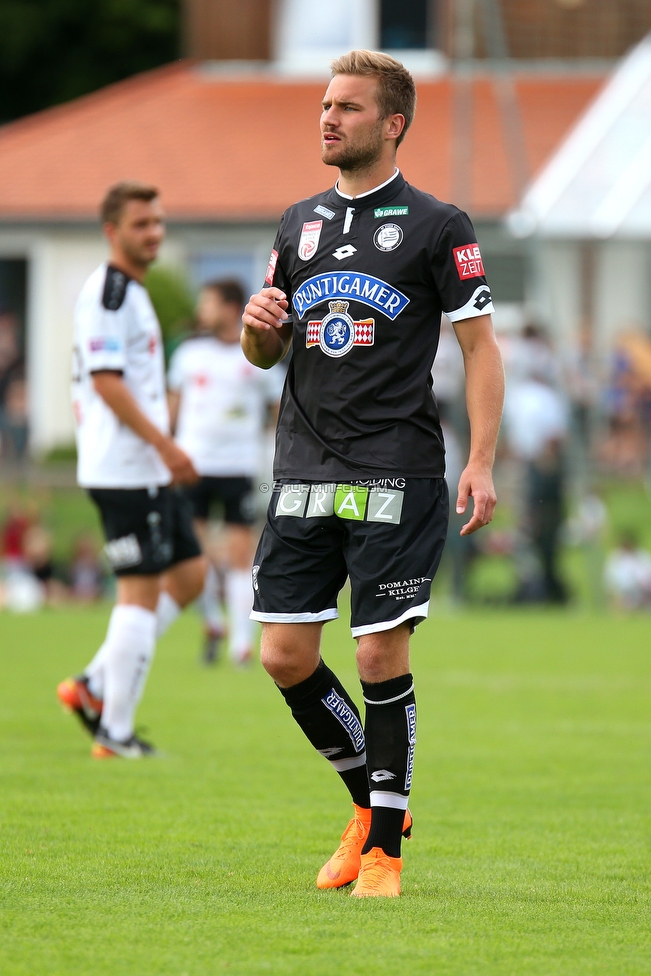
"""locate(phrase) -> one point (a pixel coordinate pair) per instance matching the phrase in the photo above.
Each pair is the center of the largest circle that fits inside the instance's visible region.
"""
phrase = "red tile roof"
(226, 149)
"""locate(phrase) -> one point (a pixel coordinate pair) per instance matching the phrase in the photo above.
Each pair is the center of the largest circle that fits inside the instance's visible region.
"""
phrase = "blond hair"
(396, 92)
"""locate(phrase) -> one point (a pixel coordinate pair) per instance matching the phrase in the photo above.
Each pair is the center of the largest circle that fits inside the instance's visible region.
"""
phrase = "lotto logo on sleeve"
(468, 261)
(271, 268)
(309, 241)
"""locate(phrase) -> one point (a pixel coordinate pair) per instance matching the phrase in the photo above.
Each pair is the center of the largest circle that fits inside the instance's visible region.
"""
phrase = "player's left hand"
(476, 482)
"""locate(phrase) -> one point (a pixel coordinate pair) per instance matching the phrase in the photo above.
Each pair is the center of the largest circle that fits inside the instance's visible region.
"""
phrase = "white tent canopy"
(597, 185)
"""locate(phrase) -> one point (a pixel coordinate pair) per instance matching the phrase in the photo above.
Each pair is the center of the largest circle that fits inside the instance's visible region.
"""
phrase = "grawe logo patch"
(468, 261)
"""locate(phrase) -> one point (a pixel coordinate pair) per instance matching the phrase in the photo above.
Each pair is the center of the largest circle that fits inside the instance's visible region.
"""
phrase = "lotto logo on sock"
(347, 717)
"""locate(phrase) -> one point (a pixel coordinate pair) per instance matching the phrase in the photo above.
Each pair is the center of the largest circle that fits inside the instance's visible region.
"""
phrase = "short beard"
(355, 159)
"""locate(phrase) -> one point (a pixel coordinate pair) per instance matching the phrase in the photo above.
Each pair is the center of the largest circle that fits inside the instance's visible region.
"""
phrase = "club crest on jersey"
(337, 333)
(309, 241)
(388, 237)
(349, 285)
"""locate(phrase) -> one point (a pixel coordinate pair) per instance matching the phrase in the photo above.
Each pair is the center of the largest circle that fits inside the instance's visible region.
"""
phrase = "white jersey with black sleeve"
(116, 329)
(223, 405)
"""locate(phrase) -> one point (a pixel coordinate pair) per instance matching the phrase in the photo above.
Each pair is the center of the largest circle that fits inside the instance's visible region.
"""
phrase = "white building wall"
(60, 263)
(555, 297)
(622, 300)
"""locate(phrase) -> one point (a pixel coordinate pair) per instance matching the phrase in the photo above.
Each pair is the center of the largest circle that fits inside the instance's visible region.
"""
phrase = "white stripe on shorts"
(420, 611)
(294, 618)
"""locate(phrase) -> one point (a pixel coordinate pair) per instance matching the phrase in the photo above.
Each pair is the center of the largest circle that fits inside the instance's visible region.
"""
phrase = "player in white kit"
(220, 403)
(127, 463)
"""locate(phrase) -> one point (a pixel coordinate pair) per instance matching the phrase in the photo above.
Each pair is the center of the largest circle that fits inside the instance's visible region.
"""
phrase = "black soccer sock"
(390, 739)
(329, 718)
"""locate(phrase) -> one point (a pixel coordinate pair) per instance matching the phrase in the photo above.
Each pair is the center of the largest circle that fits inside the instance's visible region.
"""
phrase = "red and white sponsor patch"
(271, 268)
(364, 333)
(468, 261)
(309, 239)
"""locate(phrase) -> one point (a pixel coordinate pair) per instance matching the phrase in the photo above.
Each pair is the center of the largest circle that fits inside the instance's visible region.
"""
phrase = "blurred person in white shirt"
(536, 426)
(627, 574)
(219, 404)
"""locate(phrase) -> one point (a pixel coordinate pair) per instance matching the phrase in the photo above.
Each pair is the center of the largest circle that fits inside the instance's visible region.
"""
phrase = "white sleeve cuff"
(480, 303)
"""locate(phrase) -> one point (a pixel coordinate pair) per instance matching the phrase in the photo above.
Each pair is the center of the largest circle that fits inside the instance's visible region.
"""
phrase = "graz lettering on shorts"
(348, 719)
(352, 285)
(123, 552)
(402, 589)
(359, 503)
(410, 711)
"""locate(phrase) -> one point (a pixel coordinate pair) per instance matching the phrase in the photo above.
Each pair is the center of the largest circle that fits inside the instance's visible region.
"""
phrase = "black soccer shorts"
(387, 537)
(234, 496)
(147, 529)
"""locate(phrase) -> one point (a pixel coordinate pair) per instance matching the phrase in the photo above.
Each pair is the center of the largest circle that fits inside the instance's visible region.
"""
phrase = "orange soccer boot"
(75, 696)
(343, 867)
(379, 875)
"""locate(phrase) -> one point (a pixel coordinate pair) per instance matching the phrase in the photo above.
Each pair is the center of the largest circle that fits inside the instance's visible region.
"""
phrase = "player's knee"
(288, 663)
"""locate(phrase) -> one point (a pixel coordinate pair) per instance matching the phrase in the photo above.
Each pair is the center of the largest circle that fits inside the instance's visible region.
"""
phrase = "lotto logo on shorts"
(124, 552)
(410, 712)
(468, 261)
(360, 503)
(348, 719)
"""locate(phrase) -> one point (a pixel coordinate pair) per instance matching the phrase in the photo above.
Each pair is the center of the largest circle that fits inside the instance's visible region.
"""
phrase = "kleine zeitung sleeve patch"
(468, 261)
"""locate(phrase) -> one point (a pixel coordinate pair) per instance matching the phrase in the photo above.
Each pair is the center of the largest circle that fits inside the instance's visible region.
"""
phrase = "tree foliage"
(54, 50)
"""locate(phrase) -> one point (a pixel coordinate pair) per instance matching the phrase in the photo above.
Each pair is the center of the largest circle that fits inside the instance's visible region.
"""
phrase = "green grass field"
(532, 806)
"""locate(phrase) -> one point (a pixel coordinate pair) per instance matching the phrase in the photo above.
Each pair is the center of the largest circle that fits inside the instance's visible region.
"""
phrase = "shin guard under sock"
(329, 718)
(390, 739)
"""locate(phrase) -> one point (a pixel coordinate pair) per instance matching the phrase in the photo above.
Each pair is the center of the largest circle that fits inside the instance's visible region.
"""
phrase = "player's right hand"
(181, 467)
(266, 310)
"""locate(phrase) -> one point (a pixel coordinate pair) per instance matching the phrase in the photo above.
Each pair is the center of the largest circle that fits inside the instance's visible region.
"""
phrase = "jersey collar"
(379, 194)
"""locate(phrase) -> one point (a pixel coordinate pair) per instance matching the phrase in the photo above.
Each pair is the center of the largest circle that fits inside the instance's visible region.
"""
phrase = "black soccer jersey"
(367, 280)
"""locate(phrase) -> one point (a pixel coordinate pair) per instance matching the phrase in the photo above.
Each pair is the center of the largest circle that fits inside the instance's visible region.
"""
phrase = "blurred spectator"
(86, 576)
(11, 372)
(531, 354)
(14, 431)
(536, 423)
(37, 550)
(628, 574)
(582, 383)
(12, 535)
(459, 550)
(624, 450)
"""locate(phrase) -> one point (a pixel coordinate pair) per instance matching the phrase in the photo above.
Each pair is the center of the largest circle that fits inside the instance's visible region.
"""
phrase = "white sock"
(210, 604)
(167, 610)
(95, 673)
(239, 593)
(130, 644)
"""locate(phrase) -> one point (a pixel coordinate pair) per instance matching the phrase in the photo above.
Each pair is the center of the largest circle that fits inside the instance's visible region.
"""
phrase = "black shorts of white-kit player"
(147, 529)
(387, 536)
(232, 497)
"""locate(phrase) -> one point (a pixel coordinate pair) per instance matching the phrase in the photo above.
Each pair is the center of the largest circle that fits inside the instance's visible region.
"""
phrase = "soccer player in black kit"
(357, 281)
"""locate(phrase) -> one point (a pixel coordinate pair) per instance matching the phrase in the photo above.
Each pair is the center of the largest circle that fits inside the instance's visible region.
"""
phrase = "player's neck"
(354, 182)
(118, 259)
